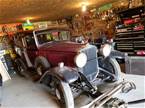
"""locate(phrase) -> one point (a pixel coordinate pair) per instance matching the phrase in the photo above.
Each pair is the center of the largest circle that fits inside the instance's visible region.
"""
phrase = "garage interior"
(48, 43)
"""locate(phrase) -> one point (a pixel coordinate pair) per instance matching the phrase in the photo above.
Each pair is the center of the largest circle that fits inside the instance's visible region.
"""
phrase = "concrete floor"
(20, 92)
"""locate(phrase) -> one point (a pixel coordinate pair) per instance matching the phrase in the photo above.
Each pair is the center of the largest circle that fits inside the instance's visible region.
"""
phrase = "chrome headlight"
(81, 60)
(106, 50)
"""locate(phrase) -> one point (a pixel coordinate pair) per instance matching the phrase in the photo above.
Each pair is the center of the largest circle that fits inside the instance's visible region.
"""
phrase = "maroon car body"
(55, 51)
(64, 51)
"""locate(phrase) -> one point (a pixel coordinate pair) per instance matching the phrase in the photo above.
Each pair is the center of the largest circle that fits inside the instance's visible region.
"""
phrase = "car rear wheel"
(40, 69)
(20, 67)
(41, 65)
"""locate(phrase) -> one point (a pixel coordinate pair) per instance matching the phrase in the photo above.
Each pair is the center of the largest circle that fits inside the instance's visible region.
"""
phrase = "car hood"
(65, 46)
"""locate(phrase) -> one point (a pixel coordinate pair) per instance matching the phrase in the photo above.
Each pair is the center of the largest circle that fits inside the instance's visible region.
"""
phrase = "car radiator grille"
(90, 70)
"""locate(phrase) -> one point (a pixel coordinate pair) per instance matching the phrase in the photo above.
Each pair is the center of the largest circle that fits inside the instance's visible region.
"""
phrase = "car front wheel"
(109, 69)
(64, 94)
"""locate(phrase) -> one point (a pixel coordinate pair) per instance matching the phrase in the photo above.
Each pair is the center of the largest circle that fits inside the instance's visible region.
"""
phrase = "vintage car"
(67, 68)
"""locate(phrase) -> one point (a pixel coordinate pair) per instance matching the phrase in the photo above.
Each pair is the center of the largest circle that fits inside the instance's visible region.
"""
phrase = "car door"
(31, 47)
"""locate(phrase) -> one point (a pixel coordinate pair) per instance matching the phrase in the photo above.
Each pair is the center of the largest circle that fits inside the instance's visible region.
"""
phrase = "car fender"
(118, 54)
(65, 73)
(43, 61)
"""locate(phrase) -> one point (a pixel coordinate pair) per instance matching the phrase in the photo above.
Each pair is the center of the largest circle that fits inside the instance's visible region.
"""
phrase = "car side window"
(64, 35)
(55, 36)
(44, 38)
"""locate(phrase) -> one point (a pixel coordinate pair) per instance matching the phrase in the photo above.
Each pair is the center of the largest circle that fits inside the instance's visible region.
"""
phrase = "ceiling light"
(77, 15)
(122, 3)
(84, 7)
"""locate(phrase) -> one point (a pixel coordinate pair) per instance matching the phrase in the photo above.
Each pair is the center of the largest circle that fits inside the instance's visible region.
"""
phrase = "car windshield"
(44, 37)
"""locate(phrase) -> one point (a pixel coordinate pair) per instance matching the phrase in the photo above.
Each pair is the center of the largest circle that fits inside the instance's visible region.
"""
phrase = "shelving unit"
(130, 31)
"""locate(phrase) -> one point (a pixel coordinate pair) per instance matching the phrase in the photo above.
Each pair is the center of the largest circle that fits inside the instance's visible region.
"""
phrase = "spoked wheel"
(64, 94)
(20, 67)
(109, 69)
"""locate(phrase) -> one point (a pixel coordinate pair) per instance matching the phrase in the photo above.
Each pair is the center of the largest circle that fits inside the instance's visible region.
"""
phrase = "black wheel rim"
(58, 92)
(105, 64)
